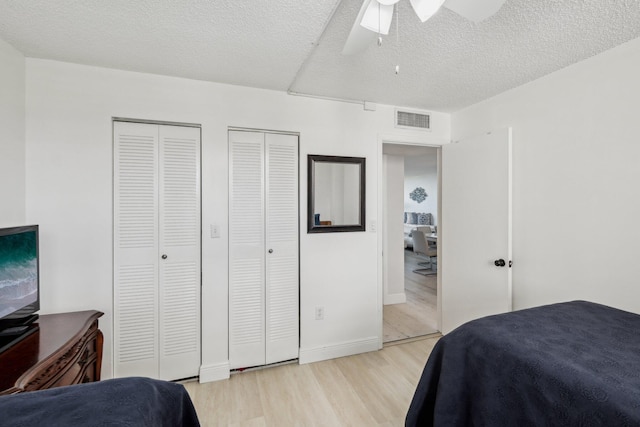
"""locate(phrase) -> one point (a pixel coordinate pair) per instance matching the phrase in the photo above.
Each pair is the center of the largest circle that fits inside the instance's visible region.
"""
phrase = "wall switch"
(372, 226)
(319, 313)
(215, 231)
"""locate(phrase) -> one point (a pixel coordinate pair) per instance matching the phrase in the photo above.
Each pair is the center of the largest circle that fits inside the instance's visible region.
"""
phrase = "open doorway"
(410, 214)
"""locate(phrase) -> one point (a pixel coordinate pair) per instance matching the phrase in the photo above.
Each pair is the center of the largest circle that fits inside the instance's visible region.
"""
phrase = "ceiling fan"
(375, 17)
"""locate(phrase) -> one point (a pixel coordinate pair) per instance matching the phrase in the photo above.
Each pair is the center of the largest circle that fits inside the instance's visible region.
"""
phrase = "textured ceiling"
(448, 63)
(257, 43)
(445, 64)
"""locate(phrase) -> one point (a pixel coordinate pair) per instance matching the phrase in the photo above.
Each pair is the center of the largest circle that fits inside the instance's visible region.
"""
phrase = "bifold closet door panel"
(246, 249)
(282, 265)
(179, 272)
(136, 257)
(156, 250)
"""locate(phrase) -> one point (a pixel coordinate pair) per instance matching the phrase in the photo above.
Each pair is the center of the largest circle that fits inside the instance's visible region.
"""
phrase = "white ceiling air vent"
(412, 120)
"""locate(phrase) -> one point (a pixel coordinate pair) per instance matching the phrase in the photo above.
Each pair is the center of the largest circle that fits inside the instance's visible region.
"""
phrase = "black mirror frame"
(311, 160)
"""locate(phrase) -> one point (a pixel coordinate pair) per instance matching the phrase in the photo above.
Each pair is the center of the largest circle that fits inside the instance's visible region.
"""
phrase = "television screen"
(18, 269)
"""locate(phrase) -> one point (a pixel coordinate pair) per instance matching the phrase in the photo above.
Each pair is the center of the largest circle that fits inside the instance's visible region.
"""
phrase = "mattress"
(138, 402)
(575, 363)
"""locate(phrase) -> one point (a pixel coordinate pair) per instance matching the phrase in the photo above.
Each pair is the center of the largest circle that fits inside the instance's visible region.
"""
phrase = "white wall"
(422, 171)
(69, 192)
(394, 292)
(576, 175)
(12, 136)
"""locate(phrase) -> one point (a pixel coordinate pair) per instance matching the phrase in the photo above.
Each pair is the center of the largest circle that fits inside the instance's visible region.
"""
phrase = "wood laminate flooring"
(371, 389)
(417, 316)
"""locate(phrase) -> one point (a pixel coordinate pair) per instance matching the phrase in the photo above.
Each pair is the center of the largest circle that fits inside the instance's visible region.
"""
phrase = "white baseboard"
(400, 298)
(216, 372)
(310, 355)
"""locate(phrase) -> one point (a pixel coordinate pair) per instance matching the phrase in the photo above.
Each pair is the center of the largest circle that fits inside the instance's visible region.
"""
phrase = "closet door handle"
(270, 251)
(164, 256)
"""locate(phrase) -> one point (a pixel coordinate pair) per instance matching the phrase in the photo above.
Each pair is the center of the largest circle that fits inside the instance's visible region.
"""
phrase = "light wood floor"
(371, 389)
(417, 316)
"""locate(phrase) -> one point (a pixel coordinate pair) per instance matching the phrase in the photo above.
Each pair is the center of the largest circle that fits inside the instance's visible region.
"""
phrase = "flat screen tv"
(19, 275)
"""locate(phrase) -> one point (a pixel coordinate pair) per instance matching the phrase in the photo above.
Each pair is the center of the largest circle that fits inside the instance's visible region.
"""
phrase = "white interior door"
(135, 250)
(476, 228)
(156, 250)
(246, 250)
(263, 248)
(179, 244)
(282, 275)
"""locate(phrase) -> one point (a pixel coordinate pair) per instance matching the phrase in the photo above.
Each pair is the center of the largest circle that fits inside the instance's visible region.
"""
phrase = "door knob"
(270, 251)
(164, 256)
(500, 263)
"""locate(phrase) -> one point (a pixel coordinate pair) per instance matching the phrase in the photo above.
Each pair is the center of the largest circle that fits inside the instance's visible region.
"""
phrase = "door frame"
(403, 139)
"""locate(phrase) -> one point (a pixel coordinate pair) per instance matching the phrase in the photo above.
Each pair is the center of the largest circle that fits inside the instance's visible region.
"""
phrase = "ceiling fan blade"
(373, 16)
(377, 17)
(425, 9)
(359, 38)
(474, 10)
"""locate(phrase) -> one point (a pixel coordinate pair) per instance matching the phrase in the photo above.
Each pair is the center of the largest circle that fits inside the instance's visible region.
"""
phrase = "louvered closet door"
(156, 250)
(246, 250)
(282, 275)
(136, 255)
(179, 273)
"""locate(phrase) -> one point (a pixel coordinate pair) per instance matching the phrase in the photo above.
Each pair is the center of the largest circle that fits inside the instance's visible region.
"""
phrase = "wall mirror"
(336, 196)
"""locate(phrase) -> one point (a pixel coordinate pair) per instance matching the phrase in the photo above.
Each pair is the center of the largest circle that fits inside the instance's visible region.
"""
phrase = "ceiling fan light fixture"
(425, 9)
(388, 2)
(475, 11)
(377, 17)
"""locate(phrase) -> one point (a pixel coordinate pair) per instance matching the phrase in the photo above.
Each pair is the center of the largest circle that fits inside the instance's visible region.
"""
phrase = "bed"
(131, 402)
(568, 364)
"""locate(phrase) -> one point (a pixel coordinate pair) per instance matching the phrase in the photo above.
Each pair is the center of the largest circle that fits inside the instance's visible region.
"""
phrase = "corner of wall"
(12, 135)
(399, 298)
(214, 372)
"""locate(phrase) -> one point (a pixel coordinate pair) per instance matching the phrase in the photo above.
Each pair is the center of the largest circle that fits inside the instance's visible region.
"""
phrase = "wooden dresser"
(67, 349)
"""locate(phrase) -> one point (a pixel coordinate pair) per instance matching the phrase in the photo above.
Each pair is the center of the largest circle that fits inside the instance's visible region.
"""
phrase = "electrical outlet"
(319, 313)
(215, 231)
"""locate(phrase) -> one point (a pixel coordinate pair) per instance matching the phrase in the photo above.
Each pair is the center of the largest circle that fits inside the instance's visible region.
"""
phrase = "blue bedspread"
(135, 402)
(569, 364)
